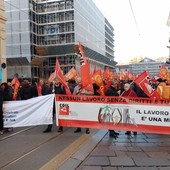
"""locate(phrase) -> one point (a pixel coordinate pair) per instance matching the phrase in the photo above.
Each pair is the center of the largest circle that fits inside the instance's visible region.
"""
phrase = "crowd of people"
(30, 89)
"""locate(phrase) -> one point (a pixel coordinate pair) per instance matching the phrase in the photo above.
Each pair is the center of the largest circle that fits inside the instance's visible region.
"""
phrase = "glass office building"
(38, 31)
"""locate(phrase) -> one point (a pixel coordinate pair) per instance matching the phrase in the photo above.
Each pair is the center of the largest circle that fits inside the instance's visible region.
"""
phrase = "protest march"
(81, 99)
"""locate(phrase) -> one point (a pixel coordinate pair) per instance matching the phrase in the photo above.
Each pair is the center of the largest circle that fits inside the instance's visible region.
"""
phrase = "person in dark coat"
(26, 90)
(7, 92)
(7, 96)
(57, 88)
(1, 112)
(112, 91)
(96, 88)
(34, 88)
(46, 89)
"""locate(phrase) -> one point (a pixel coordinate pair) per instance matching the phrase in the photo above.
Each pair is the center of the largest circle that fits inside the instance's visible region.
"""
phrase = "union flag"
(97, 77)
(85, 70)
(163, 73)
(60, 76)
(106, 73)
(52, 77)
(123, 75)
(144, 82)
(72, 73)
(15, 82)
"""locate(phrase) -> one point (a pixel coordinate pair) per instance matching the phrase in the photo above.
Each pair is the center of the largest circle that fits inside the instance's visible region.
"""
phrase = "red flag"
(85, 71)
(60, 76)
(15, 82)
(163, 73)
(143, 82)
(72, 73)
(39, 89)
(106, 73)
(155, 95)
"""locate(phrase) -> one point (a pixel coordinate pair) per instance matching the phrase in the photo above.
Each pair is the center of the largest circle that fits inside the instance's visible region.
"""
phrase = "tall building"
(168, 24)
(3, 70)
(38, 31)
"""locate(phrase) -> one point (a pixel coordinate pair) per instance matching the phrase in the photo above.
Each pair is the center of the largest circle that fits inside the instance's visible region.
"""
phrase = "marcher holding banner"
(7, 96)
(78, 90)
(45, 91)
(112, 91)
(128, 92)
(56, 88)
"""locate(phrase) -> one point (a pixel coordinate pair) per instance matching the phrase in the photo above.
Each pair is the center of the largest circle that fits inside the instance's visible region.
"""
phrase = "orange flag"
(85, 70)
(123, 75)
(15, 82)
(72, 73)
(163, 73)
(130, 76)
(106, 73)
(60, 76)
(97, 76)
(52, 76)
(109, 75)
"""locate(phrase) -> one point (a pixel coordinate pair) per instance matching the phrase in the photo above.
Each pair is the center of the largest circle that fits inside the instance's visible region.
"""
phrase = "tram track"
(16, 133)
(39, 146)
(50, 150)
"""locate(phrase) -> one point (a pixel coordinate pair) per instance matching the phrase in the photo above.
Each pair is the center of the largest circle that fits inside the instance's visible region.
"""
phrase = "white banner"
(115, 113)
(35, 111)
(151, 115)
(118, 113)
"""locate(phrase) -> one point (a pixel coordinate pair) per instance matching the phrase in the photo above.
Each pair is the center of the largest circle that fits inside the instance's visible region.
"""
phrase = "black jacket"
(46, 89)
(59, 89)
(111, 91)
(26, 92)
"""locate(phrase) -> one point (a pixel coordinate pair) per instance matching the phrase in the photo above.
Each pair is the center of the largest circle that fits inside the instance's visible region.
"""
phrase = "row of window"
(109, 50)
(53, 29)
(52, 40)
(54, 6)
(54, 17)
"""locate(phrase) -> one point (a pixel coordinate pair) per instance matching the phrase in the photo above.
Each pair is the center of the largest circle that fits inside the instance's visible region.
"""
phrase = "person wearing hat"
(112, 91)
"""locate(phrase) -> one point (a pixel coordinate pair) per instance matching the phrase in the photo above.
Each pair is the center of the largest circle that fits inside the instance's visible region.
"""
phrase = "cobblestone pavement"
(141, 152)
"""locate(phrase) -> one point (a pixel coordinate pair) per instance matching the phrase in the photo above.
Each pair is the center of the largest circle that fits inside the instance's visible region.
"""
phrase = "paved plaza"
(141, 152)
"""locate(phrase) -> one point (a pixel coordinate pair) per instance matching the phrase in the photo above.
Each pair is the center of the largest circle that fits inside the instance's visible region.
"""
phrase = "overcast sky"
(149, 38)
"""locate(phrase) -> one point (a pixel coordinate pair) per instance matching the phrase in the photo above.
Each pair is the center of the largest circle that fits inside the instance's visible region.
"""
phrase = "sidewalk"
(141, 152)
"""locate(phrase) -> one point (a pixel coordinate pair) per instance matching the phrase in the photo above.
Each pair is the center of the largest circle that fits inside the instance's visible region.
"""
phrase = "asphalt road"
(29, 149)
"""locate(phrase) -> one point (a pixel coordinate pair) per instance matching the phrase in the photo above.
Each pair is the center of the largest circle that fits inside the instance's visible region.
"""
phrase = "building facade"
(151, 66)
(3, 69)
(41, 30)
(147, 64)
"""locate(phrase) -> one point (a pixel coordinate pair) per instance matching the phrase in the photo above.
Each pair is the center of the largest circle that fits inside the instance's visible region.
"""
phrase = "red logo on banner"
(64, 109)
